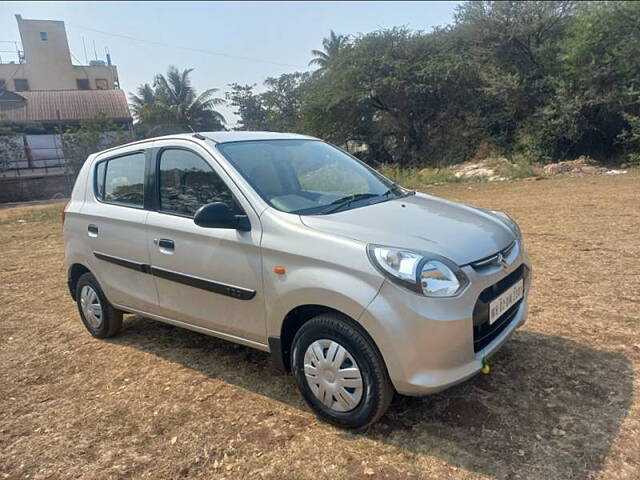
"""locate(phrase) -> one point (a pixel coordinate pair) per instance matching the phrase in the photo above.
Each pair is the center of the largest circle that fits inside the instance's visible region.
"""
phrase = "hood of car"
(421, 222)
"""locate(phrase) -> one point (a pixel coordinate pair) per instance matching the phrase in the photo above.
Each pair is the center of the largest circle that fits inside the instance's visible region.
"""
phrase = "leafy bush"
(416, 177)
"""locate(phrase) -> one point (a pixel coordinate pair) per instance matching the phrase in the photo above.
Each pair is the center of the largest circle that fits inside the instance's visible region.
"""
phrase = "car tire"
(327, 375)
(98, 315)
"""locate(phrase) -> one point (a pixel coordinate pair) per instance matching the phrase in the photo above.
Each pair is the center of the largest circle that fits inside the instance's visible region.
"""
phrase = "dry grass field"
(562, 401)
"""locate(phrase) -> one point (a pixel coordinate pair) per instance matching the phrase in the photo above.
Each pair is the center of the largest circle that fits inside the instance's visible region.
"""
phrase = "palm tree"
(332, 45)
(143, 101)
(173, 105)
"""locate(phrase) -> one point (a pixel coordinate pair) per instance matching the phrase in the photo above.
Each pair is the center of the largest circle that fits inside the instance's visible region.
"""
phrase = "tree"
(411, 97)
(94, 134)
(173, 105)
(516, 47)
(248, 106)
(142, 103)
(11, 150)
(282, 101)
(517, 37)
(276, 109)
(332, 47)
(597, 97)
(630, 137)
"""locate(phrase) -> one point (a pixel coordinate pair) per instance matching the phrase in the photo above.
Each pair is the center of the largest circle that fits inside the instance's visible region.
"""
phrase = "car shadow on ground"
(550, 408)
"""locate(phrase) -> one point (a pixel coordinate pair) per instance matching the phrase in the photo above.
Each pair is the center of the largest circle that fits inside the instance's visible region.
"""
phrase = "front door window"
(187, 182)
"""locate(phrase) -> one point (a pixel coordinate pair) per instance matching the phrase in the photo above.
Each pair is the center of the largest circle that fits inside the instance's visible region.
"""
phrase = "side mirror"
(218, 215)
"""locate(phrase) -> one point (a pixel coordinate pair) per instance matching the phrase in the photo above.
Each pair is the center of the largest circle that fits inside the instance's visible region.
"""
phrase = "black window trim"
(157, 154)
(144, 151)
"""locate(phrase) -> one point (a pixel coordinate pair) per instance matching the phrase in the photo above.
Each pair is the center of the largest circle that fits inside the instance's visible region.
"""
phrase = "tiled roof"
(65, 106)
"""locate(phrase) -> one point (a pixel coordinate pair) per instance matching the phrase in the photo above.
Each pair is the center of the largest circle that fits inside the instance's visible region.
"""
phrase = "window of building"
(3, 84)
(121, 180)
(102, 84)
(43, 36)
(187, 182)
(82, 83)
(21, 84)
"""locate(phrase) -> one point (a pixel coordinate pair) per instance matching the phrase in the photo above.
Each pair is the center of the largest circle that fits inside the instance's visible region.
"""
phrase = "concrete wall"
(26, 188)
(48, 64)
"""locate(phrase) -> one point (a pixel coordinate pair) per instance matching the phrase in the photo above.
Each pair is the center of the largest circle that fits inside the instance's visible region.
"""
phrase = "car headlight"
(428, 274)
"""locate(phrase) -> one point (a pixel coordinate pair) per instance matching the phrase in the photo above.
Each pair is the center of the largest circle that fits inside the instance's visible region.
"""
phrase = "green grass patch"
(32, 214)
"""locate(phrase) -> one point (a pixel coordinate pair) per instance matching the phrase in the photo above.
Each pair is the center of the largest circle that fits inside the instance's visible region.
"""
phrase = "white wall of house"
(47, 61)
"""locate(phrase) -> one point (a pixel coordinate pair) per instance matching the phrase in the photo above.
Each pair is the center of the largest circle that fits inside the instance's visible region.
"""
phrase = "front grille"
(483, 333)
(494, 259)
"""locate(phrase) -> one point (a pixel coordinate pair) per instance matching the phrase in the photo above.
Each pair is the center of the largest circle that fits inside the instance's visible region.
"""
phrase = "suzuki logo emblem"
(502, 261)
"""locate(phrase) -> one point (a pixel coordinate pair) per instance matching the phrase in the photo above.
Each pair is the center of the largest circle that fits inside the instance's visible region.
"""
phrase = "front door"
(207, 277)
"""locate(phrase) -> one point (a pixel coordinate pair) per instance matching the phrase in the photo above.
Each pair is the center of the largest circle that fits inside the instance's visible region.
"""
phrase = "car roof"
(223, 137)
(233, 136)
(219, 137)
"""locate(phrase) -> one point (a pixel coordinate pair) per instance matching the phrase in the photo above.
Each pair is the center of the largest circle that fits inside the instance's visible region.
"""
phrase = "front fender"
(352, 305)
(319, 269)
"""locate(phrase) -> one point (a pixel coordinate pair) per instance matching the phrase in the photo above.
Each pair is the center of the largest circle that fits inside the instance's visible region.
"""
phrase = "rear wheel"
(340, 373)
(97, 314)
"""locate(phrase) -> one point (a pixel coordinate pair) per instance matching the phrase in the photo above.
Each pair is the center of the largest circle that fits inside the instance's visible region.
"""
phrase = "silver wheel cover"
(333, 375)
(91, 307)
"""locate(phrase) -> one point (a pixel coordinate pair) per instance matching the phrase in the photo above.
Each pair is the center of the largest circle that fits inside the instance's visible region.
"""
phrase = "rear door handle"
(92, 230)
(166, 245)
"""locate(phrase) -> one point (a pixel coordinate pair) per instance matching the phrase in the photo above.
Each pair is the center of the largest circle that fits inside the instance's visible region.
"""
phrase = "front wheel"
(340, 373)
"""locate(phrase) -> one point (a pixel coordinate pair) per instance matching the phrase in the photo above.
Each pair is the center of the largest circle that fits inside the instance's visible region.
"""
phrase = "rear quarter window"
(100, 169)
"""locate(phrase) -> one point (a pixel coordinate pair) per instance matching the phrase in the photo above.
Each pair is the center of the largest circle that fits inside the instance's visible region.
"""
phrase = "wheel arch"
(280, 347)
(75, 271)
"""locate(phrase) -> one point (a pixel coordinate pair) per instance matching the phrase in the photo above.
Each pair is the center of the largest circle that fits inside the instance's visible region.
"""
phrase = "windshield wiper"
(348, 200)
(388, 193)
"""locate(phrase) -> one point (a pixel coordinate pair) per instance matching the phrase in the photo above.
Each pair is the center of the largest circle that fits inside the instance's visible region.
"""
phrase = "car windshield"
(307, 177)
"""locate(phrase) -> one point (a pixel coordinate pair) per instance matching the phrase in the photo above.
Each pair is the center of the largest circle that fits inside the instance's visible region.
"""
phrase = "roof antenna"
(86, 59)
(196, 134)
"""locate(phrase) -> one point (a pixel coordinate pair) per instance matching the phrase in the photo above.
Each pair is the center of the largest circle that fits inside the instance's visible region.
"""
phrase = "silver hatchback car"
(287, 244)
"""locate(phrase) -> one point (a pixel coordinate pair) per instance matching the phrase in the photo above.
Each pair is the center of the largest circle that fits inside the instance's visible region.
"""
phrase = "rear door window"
(123, 182)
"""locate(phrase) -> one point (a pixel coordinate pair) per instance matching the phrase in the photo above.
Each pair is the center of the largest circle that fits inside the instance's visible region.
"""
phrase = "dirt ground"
(562, 401)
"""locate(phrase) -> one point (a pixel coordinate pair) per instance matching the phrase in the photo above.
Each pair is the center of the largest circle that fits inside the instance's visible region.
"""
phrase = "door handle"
(166, 245)
(92, 230)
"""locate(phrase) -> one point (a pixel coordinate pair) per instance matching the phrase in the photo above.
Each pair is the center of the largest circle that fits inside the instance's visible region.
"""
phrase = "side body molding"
(233, 291)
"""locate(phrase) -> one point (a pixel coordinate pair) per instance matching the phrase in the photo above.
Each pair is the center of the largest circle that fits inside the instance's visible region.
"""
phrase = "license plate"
(505, 301)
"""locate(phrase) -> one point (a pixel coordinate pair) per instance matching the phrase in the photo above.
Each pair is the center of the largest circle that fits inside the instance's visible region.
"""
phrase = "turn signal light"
(279, 270)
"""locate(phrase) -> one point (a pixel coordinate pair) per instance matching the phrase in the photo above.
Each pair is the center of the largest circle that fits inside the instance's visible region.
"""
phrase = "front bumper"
(428, 343)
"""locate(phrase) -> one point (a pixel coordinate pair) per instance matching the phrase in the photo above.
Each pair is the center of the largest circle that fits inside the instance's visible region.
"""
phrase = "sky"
(224, 42)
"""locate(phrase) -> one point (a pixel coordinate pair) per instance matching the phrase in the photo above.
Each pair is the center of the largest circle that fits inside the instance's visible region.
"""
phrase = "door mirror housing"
(218, 215)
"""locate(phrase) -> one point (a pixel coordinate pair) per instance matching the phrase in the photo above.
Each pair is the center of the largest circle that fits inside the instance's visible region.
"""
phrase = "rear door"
(115, 225)
(207, 277)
